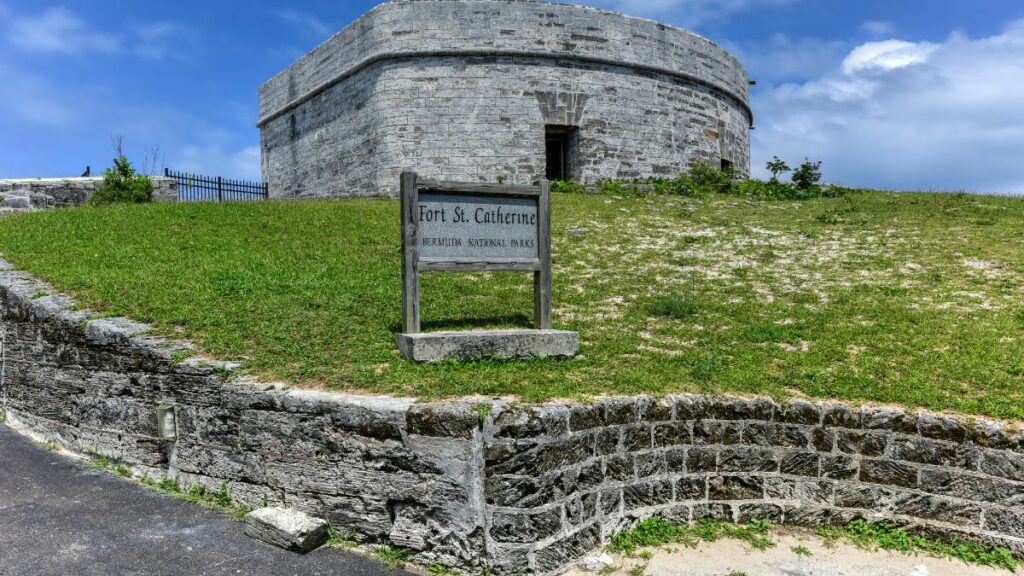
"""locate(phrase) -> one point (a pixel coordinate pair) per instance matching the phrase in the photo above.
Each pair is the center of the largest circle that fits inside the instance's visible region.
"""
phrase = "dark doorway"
(562, 150)
(726, 166)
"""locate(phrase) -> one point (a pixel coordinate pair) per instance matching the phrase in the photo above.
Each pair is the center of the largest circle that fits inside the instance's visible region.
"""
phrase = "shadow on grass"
(488, 323)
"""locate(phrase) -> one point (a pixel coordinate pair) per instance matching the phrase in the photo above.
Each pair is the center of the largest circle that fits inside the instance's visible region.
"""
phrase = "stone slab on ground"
(438, 346)
(731, 557)
(288, 529)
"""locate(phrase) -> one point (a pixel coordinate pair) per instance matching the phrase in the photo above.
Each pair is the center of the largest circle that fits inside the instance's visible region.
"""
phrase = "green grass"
(198, 494)
(110, 465)
(872, 536)
(893, 298)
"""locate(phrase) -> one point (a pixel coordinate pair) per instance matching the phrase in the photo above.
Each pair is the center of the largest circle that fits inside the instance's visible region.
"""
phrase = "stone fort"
(500, 91)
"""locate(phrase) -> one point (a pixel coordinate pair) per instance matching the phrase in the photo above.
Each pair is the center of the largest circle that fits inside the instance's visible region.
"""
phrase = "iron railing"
(195, 188)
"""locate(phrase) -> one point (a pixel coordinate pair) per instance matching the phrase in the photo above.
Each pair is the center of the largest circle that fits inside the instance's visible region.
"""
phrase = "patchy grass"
(394, 558)
(110, 465)
(885, 297)
(874, 536)
(657, 532)
(198, 494)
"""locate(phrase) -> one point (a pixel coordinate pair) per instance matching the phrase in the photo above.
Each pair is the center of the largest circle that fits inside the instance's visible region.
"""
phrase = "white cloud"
(887, 55)
(908, 115)
(685, 12)
(879, 27)
(158, 40)
(58, 30)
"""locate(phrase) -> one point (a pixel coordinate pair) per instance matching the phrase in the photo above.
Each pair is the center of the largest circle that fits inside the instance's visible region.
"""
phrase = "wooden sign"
(448, 226)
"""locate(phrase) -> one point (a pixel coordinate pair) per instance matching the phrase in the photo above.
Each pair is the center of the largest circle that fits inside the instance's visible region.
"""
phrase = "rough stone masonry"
(500, 90)
(496, 484)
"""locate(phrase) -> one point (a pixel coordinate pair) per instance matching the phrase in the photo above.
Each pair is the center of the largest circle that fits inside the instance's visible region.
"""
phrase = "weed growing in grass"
(801, 551)
(871, 536)
(638, 571)
(673, 306)
(392, 557)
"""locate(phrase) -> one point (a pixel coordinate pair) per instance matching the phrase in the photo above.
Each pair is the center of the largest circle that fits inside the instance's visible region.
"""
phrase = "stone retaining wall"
(75, 191)
(477, 483)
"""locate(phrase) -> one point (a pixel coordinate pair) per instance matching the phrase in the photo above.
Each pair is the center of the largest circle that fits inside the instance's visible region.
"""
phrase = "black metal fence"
(195, 188)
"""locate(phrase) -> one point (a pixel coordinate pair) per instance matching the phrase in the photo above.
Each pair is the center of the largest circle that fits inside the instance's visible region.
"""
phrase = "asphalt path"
(59, 518)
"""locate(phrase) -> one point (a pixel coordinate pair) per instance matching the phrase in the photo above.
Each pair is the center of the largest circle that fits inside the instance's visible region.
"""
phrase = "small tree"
(121, 183)
(777, 166)
(706, 179)
(807, 175)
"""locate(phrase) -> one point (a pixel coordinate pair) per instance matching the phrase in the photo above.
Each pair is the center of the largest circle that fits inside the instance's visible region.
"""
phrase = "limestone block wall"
(75, 191)
(463, 90)
(494, 483)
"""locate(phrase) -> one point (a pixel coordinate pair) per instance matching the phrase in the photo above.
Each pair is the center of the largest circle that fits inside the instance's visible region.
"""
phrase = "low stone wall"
(497, 484)
(75, 191)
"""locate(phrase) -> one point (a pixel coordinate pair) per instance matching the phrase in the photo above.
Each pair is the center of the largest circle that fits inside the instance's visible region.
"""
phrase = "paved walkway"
(59, 518)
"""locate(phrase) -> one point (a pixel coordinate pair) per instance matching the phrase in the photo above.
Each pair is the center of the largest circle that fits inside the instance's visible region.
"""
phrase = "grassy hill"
(907, 298)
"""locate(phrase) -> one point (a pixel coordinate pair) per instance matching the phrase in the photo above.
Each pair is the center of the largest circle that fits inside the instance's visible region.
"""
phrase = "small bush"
(706, 179)
(807, 175)
(121, 184)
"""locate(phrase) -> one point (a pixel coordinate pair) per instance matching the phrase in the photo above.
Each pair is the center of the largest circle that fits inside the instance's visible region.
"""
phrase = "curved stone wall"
(494, 483)
(463, 90)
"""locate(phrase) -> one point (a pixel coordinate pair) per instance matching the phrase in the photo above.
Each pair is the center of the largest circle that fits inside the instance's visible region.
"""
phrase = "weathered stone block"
(568, 549)
(735, 487)
(972, 487)
(800, 464)
(286, 529)
(747, 513)
(691, 488)
(619, 468)
(887, 472)
(449, 420)
(1009, 521)
(524, 527)
(938, 508)
(673, 434)
(800, 412)
(637, 438)
(701, 459)
(838, 467)
(942, 428)
(716, 432)
(892, 419)
(747, 459)
(438, 346)
(1004, 464)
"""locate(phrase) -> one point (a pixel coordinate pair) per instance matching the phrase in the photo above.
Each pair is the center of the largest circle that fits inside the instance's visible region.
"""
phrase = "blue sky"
(912, 94)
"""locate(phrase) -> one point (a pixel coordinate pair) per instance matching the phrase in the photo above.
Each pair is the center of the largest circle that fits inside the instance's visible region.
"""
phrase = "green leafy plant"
(121, 183)
(807, 175)
(777, 166)
(706, 179)
(801, 551)
(567, 187)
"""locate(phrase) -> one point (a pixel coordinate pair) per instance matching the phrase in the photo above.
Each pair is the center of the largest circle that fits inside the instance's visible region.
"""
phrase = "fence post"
(266, 190)
(220, 196)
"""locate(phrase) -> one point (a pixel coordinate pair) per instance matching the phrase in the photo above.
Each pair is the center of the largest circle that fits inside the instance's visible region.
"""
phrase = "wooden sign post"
(458, 227)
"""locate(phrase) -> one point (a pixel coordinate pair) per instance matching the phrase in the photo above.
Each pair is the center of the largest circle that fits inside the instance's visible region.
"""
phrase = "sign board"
(448, 226)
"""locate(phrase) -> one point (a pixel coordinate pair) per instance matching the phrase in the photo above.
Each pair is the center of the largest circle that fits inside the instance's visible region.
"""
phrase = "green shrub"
(567, 187)
(673, 306)
(706, 179)
(121, 184)
(807, 175)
